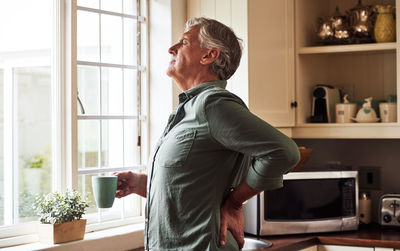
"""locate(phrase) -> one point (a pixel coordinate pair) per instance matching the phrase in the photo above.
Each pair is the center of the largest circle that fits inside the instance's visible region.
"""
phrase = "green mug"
(104, 188)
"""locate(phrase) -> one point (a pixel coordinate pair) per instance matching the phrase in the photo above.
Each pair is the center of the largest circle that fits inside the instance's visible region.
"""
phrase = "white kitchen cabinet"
(343, 248)
(362, 70)
(265, 78)
(312, 248)
(281, 53)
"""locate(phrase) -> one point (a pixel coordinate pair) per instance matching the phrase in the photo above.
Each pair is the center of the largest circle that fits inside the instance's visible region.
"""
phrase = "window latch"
(80, 104)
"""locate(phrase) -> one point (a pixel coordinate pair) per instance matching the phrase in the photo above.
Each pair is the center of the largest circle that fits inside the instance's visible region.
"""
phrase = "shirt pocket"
(176, 149)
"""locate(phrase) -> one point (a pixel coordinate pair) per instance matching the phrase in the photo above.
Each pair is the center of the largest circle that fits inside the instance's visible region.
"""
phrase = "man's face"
(186, 55)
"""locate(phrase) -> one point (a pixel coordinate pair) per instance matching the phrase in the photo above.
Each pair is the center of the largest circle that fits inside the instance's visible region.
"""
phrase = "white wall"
(166, 22)
(178, 25)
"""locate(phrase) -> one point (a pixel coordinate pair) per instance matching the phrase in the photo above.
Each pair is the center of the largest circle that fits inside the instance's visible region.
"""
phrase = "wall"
(232, 13)
(359, 152)
(166, 19)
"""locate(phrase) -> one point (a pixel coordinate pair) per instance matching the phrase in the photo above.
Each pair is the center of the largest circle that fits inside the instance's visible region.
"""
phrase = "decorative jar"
(385, 25)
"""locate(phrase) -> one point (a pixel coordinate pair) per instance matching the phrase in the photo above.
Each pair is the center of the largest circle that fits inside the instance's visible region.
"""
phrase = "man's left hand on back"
(231, 219)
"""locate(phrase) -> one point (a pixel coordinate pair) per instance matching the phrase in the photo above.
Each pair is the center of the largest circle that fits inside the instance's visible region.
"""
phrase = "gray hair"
(214, 34)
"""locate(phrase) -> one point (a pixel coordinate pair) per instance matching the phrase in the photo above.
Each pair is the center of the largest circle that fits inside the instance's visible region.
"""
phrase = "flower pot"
(63, 232)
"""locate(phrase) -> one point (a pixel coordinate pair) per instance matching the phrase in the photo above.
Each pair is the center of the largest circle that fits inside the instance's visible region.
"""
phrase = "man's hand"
(231, 219)
(129, 182)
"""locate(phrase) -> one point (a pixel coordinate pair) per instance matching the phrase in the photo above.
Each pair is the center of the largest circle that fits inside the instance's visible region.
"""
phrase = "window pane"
(26, 29)
(88, 36)
(25, 25)
(130, 92)
(89, 89)
(112, 143)
(88, 3)
(112, 92)
(130, 143)
(130, 41)
(88, 143)
(132, 205)
(130, 7)
(33, 85)
(1, 148)
(85, 187)
(112, 5)
(111, 39)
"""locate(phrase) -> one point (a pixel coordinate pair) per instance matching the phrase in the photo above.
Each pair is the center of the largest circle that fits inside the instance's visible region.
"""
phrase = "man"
(211, 144)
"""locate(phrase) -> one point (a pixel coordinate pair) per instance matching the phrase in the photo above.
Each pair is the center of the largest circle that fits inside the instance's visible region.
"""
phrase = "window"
(26, 119)
(109, 83)
(94, 64)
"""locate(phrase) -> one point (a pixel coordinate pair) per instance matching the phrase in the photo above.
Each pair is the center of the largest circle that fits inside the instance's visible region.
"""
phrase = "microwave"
(308, 202)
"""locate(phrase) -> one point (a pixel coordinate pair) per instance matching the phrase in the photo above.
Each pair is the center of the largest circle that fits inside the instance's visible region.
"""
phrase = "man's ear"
(210, 56)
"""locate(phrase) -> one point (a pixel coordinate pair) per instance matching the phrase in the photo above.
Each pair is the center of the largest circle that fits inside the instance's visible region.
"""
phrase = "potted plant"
(60, 217)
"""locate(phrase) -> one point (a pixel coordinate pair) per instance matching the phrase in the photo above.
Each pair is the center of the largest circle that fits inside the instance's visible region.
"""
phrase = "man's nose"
(172, 49)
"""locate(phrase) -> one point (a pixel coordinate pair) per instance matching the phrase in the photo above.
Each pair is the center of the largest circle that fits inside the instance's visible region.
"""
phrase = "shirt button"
(146, 220)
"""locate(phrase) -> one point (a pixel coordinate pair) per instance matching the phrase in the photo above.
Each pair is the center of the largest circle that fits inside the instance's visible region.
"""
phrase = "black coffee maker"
(325, 98)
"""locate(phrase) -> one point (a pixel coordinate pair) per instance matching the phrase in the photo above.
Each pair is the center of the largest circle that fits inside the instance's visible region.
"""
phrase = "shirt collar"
(199, 88)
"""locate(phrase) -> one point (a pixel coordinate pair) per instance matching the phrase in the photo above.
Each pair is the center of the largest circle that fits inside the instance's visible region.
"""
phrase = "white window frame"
(72, 64)
(64, 129)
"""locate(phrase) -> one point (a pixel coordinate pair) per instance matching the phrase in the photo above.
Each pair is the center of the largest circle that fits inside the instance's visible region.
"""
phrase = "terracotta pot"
(63, 232)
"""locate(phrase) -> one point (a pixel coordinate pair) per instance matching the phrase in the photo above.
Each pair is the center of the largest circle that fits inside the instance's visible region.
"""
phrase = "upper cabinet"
(360, 70)
(265, 78)
(283, 61)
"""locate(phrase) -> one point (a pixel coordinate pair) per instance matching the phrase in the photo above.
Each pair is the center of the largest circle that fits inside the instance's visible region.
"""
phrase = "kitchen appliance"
(389, 213)
(325, 98)
(309, 202)
(364, 208)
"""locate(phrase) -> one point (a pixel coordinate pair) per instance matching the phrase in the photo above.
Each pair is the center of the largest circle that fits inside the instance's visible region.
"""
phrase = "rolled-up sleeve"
(236, 128)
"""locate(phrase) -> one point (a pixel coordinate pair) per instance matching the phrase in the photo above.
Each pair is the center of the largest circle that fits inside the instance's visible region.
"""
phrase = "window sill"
(119, 238)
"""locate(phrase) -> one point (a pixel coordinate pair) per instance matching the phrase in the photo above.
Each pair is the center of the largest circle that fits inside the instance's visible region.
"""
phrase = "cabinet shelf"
(373, 47)
(348, 130)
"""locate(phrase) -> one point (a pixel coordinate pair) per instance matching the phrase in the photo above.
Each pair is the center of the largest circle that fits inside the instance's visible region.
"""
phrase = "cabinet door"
(271, 60)
(343, 248)
(265, 78)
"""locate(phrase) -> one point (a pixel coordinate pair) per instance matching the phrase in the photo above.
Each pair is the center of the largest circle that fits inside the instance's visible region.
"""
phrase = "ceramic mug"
(104, 188)
(388, 112)
(344, 112)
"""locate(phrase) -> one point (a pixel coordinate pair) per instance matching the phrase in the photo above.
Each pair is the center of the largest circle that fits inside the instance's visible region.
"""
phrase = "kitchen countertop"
(366, 236)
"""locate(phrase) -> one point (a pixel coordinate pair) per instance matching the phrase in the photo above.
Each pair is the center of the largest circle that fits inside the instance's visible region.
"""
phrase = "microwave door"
(311, 200)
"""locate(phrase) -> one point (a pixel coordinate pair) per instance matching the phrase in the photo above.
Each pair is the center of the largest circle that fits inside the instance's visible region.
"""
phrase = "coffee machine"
(325, 98)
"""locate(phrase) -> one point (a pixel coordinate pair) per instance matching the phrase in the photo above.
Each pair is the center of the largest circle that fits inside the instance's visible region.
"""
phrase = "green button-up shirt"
(211, 143)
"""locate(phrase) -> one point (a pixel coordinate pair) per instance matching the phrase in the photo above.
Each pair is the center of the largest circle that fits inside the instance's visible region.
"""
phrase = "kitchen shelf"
(373, 47)
(347, 130)
(346, 124)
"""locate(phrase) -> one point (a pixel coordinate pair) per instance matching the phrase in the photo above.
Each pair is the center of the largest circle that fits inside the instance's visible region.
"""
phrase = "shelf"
(378, 124)
(373, 47)
(347, 131)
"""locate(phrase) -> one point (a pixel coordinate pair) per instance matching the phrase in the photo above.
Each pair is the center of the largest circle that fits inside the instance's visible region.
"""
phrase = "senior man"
(214, 153)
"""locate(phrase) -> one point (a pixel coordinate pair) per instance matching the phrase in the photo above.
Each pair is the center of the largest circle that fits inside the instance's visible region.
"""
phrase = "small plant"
(55, 208)
(36, 161)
